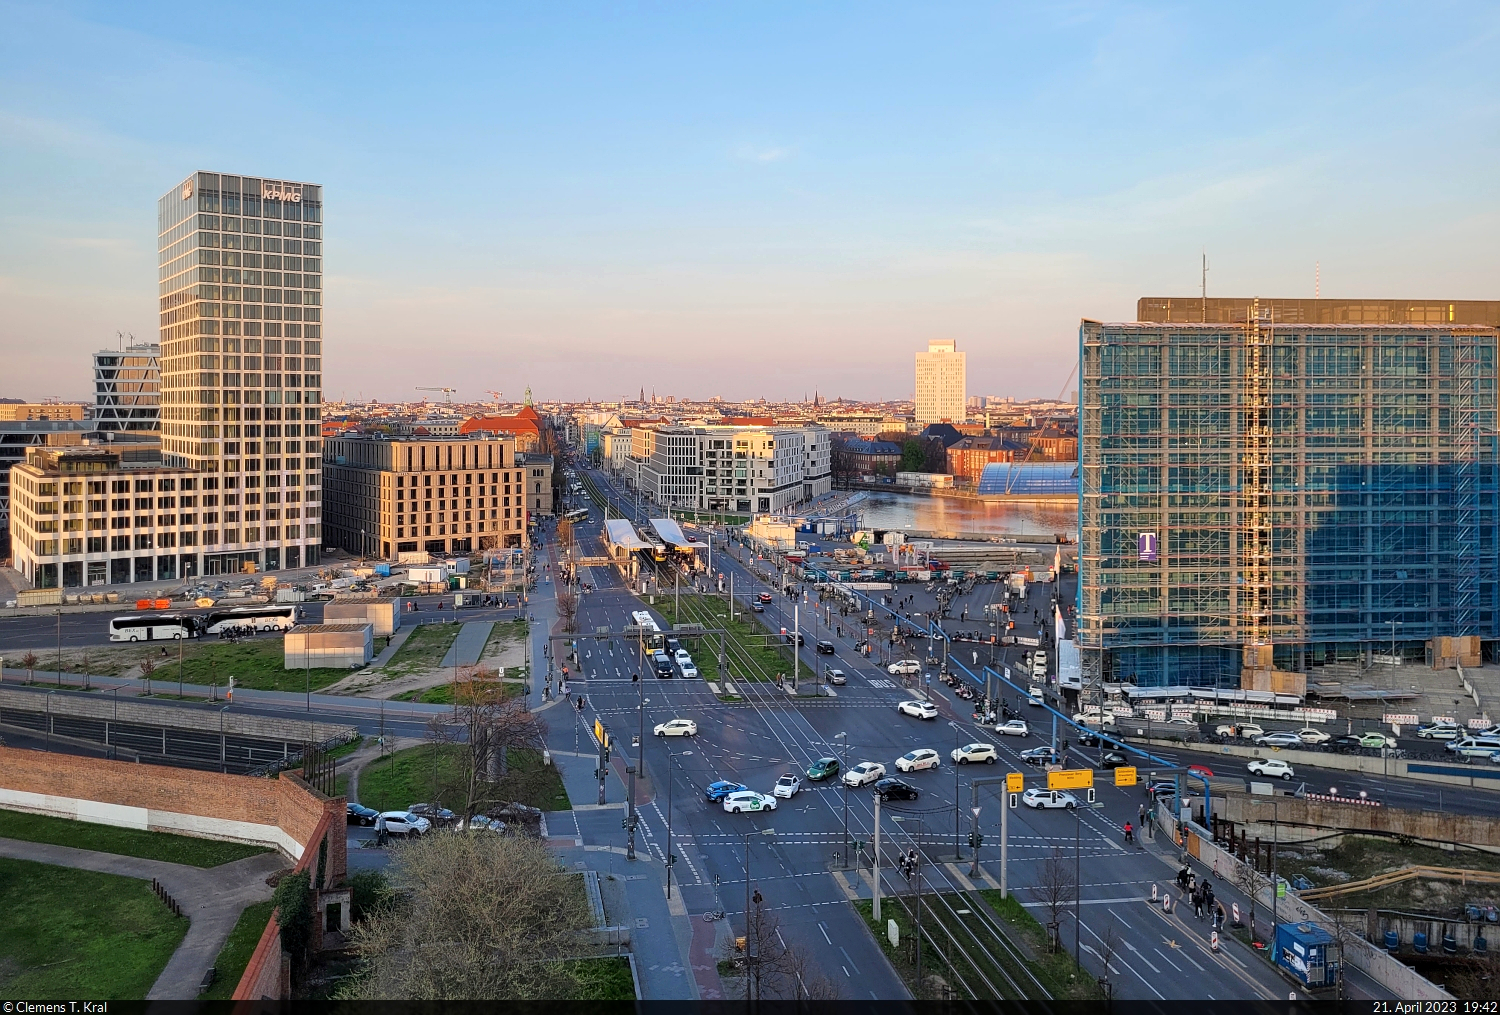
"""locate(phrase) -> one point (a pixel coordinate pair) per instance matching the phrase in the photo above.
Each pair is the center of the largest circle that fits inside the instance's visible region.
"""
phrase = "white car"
(1440, 731)
(919, 709)
(973, 753)
(749, 800)
(864, 773)
(690, 672)
(1179, 720)
(787, 786)
(904, 668)
(1034, 695)
(1313, 736)
(1095, 718)
(1014, 728)
(915, 761)
(682, 658)
(1049, 798)
(1272, 767)
(1248, 730)
(405, 823)
(676, 728)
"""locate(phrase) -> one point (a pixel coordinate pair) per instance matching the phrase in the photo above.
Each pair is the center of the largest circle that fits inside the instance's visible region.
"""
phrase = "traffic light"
(606, 754)
(976, 839)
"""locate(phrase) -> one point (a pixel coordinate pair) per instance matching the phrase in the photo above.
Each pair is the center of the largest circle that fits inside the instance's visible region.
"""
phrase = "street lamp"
(763, 831)
(671, 860)
(640, 752)
(843, 760)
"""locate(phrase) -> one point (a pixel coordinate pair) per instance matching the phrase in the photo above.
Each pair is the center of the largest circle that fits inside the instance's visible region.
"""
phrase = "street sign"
(1125, 776)
(1072, 778)
(1015, 782)
(600, 733)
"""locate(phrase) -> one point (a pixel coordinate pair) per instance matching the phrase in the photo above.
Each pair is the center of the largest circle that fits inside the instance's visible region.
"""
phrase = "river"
(961, 514)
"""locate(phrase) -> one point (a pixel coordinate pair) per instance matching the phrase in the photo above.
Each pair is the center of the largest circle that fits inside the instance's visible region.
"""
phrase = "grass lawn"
(407, 777)
(603, 979)
(423, 650)
(750, 650)
(235, 955)
(345, 749)
(442, 694)
(1055, 969)
(81, 934)
(257, 663)
(182, 849)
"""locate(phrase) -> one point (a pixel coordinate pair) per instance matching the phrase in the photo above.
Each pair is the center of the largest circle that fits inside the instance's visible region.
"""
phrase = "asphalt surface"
(755, 742)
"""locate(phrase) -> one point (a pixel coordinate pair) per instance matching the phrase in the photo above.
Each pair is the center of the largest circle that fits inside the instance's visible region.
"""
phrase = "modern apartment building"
(127, 389)
(942, 395)
(107, 514)
(16, 438)
(1267, 495)
(240, 284)
(392, 495)
(740, 469)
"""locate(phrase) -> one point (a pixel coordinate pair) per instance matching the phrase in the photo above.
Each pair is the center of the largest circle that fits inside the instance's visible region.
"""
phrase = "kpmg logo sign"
(187, 190)
(281, 192)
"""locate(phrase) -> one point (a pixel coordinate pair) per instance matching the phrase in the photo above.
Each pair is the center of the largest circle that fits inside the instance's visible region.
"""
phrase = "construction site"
(1286, 499)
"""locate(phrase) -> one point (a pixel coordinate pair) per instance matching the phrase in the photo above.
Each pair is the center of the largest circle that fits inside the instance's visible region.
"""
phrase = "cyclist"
(1129, 832)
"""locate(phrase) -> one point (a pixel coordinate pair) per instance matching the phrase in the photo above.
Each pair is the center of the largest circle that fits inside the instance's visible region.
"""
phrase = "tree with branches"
(29, 660)
(1056, 888)
(148, 667)
(473, 917)
(778, 970)
(567, 609)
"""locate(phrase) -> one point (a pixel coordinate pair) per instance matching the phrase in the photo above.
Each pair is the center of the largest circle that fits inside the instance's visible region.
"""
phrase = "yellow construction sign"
(1125, 776)
(1015, 782)
(600, 733)
(1072, 778)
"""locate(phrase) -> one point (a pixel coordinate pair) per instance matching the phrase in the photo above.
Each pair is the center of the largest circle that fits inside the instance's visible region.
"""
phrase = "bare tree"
(778, 970)
(567, 609)
(148, 667)
(1108, 945)
(29, 660)
(1247, 880)
(1056, 887)
(474, 917)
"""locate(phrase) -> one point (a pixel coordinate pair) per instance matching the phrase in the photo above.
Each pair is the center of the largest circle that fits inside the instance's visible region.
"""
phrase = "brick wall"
(284, 812)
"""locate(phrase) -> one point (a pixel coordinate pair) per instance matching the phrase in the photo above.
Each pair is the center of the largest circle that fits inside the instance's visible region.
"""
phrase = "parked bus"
(153, 627)
(271, 617)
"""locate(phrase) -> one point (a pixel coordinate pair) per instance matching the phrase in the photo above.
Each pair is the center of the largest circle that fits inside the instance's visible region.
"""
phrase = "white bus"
(262, 618)
(153, 627)
(651, 635)
(577, 515)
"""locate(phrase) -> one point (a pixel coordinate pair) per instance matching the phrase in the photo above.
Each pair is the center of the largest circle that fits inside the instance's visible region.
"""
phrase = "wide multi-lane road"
(1155, 955)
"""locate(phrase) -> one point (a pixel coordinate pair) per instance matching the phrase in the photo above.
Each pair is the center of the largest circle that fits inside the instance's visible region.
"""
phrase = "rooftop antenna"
(1204, 285)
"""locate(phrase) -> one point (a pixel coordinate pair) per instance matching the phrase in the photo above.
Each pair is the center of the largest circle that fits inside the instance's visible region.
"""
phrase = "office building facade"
(942, 394)
(240, 286)
(737, 469)
(393, 495)
(1268, 496)
(127, 389)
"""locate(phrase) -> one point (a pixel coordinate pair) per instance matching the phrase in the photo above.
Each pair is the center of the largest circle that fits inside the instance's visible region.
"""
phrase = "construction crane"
(498, 396)
(447, 392)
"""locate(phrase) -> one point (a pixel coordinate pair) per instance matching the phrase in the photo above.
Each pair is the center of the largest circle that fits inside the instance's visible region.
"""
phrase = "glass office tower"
(241, 276)
(1262, 495)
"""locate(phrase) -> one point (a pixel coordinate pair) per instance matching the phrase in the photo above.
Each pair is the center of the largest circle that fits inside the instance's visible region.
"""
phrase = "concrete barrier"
(1387, 970)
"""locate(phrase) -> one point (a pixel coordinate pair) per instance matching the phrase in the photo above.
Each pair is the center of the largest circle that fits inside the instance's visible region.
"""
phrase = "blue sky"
(745, 199)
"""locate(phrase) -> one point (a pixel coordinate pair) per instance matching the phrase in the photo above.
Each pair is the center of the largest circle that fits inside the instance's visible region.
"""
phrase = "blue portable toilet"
(1302, 949)
(1481, 946)
(1419, 943)
(1392, 942)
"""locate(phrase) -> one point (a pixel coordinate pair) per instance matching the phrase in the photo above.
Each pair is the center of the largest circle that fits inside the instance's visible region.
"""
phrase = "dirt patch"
(1357, 858)
(418, 667)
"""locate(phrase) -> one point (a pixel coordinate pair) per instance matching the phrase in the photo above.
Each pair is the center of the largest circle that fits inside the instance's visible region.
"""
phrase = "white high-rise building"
(241, 279)
(941, 384)
(127, 389)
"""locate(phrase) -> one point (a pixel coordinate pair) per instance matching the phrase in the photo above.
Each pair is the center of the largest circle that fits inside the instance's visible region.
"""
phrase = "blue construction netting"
(1052, 479)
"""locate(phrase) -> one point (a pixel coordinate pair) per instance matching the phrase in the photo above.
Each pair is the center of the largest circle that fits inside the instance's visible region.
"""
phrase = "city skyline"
(747, 241)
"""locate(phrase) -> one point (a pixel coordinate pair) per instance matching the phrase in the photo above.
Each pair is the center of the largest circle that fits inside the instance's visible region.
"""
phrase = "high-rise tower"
(941, 384)
(241, 275)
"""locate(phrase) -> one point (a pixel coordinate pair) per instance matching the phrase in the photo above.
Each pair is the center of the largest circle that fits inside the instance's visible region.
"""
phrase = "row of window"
(170, 540)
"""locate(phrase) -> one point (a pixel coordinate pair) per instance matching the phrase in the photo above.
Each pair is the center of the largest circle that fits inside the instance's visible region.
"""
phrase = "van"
(662, 662)
(1475, 747)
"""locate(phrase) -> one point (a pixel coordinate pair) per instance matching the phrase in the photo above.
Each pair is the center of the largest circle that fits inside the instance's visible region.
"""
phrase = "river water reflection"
(961, 514)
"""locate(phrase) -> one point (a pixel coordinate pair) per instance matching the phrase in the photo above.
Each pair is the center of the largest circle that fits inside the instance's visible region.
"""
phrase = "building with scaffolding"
(1261, 497)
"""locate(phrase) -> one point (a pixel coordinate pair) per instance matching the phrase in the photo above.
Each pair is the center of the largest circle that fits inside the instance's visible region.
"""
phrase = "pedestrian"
(1141, 815)
(1198, 904)
(381, 833)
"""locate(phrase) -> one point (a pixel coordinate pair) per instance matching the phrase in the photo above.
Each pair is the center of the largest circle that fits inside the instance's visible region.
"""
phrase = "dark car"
(895, 789)
(1113, 759)
(437, 815)
(825, 648)
(823, 768)
(1345, 743)
(361, 815)
(1161, 788)
(1091, 738)
(715, 791)
(1039, 756)
(801, 639)
(758, 607)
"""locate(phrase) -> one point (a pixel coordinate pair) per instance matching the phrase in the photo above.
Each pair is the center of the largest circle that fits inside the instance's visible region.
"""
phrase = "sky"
(745, 199)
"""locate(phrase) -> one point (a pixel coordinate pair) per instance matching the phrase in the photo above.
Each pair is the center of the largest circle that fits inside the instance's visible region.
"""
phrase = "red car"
(1200, 770)
(764, 597)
